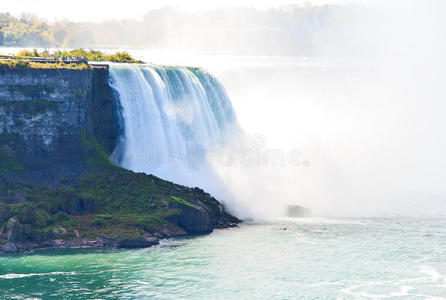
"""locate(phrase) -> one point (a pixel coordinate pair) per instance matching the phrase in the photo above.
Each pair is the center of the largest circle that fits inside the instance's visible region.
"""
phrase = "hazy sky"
(82, 10)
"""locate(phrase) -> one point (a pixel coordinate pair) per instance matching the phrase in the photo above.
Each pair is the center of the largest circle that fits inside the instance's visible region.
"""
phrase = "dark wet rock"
(137, 242)
(170, 230)
(193, 219)
(9, 248)
(77, 206)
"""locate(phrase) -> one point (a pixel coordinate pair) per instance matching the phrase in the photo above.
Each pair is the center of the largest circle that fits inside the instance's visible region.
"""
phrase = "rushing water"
(402, 258)
(173, 118)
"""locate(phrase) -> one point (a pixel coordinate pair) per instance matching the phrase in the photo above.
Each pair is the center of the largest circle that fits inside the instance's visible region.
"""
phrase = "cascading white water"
(173, 119)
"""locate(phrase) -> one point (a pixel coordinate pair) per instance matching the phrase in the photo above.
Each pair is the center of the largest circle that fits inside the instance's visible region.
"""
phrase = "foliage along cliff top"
(58, 59)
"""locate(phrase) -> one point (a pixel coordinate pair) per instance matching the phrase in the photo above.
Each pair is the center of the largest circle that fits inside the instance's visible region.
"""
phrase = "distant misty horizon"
(97, 11)
(302, 30)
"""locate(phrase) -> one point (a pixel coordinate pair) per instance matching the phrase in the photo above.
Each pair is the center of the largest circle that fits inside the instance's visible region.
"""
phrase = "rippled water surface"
(304, 259)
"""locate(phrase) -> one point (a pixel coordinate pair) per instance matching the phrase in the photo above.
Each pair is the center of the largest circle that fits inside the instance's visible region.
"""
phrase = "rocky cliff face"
(57, 185)
(44, 114)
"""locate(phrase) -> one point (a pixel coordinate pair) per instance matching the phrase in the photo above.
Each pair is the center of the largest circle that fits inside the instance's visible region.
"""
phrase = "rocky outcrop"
(296, 211)
(12, 231)
(58, 187)
(9, 248)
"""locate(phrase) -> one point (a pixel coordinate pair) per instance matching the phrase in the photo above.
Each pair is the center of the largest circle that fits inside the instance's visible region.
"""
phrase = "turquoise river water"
(403, 258)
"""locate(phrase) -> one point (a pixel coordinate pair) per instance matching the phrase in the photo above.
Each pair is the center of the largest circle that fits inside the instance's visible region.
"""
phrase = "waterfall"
(173, 118)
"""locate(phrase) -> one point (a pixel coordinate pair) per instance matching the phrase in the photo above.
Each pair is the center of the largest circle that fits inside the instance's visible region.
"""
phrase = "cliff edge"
(58, 187)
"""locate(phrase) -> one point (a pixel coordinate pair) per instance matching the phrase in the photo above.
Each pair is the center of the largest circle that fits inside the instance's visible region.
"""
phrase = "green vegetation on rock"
(90, 55)
(8, 159)
(182, 201)
(19, 63)
(107, 202)
(24, 59)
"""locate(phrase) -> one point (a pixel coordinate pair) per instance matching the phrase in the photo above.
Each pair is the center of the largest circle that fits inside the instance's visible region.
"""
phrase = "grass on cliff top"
(18, 63)
(90, 55)
(21, 60)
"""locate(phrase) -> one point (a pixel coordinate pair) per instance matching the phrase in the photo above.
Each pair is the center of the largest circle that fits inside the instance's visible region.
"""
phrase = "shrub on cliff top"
(122, 57)
(28, 53)
(14, 64)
